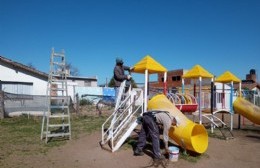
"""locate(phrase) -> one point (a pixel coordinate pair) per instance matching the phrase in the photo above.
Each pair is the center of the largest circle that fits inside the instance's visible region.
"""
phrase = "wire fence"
(17, 104)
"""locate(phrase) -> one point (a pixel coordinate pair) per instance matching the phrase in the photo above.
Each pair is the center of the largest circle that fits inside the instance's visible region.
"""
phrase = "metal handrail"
(113, 115)
(126, 115)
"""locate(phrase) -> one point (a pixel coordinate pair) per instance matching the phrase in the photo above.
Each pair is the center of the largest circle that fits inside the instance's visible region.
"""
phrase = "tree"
(73, 70)
(112, 83)
(31, 65)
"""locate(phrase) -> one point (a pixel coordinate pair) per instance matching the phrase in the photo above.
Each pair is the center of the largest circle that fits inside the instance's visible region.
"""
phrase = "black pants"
(150, 129)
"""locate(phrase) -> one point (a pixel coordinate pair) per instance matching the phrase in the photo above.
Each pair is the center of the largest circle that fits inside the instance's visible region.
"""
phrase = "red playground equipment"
(186, 103)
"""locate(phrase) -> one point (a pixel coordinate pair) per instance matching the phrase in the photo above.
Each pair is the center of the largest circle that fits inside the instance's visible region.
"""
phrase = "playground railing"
(123, 120)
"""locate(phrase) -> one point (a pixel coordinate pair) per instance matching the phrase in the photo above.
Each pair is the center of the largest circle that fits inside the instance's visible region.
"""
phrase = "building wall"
(17, 88)
(252, 75)
(74, 84)
(84, 82)
(39, 83)
(8, 74)
(174, 79)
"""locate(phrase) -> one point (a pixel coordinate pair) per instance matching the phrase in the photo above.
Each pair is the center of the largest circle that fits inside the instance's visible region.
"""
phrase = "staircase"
(218, 123)
(56, 120)
(119, 126)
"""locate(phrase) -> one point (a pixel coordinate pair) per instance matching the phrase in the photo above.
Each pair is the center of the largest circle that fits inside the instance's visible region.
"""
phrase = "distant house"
(250, 83)
(21, 79)
(174, 80)
(79, 82)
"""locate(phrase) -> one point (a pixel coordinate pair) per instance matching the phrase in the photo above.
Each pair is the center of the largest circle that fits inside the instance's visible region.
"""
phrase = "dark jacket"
(119, 74)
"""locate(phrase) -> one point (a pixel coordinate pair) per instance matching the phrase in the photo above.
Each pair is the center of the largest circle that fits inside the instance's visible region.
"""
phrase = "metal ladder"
(56, 119)
(218, 123)
(118, 127)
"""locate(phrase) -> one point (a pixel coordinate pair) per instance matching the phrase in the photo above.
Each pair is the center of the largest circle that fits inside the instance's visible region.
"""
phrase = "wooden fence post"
(77, 103)
(2, 112)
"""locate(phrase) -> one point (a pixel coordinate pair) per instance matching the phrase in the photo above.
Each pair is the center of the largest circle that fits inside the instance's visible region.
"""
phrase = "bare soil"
(240, 152)
(86, 152)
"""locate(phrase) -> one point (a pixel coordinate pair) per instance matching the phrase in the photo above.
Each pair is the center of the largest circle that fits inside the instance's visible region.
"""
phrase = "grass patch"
(191, 158)
(216, 134)
(21, 136)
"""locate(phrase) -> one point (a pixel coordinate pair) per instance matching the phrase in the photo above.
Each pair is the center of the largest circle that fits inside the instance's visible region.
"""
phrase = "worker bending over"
(151, 121)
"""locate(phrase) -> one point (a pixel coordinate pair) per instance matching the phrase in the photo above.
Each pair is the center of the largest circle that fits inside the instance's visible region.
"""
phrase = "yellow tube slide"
(247, 109)
(187, 134)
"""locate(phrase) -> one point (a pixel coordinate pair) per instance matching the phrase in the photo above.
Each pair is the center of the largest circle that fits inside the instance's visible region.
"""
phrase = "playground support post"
(231, 105)
(239, 116)
(240, 88)
(165, 83)
(211, 96)
(194, 89)
(146, 90)
(182, 85)
(200, 115)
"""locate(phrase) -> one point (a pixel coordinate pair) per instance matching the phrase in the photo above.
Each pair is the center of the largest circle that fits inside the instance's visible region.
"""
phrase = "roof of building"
(37, 72)
(82, 78)
(23, 67)
(249, 86)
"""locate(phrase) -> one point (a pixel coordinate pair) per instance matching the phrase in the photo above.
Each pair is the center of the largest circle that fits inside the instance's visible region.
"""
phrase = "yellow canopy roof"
(227, 77)
(196, 72)
(148, 63)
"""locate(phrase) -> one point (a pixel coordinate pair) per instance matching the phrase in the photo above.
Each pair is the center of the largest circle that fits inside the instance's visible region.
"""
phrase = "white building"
(21, 79)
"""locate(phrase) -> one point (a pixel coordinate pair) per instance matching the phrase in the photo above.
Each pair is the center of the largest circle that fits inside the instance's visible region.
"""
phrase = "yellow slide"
(187, 134)
(247, 109)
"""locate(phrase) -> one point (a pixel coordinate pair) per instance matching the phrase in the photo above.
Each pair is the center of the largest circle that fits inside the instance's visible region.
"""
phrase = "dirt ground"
(85, 152)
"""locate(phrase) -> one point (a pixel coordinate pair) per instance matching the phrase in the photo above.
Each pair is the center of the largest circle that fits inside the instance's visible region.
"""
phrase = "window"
(162, 79)
(87, 83)
(176, 78)
(17, 87)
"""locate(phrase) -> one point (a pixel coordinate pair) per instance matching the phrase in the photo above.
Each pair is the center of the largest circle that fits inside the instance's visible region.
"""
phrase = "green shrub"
(85, 102)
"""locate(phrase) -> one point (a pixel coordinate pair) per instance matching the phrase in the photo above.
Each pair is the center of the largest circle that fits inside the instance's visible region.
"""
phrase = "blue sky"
(219, 35)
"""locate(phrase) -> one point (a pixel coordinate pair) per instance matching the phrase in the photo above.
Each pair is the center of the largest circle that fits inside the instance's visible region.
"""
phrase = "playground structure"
(118, 126)
(222, 100)
(186, 103)
(189, 135)
(218, 100)
(247, 109)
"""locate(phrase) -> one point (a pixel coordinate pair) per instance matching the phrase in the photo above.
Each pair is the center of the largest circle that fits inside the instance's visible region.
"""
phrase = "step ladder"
(56, 119)
(220, 125)
(119, 126)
